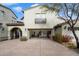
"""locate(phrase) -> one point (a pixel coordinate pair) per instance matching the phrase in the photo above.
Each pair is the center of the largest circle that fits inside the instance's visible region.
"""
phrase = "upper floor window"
(13, 17)
(1, 27)
(40, 18)
(1, 13)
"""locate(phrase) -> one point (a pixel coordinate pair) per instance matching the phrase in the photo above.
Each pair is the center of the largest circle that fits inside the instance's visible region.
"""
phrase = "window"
(13, 17)
(75, 28)
(65, 27)
(0, 25)
(40, 18)
(1, 13)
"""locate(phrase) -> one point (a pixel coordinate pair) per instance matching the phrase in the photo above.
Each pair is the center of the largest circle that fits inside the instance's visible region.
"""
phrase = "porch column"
(9, 37)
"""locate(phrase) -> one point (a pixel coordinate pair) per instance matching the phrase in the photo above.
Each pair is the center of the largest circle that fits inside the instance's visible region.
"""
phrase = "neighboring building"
(9, 27)
(63, 29)
(39, 22)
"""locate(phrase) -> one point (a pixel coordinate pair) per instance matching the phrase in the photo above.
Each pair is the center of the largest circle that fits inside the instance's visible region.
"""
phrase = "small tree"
(70, 14)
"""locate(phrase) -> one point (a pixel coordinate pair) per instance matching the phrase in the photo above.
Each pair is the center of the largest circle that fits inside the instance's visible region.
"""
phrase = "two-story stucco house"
(9, 27)
(39, 22)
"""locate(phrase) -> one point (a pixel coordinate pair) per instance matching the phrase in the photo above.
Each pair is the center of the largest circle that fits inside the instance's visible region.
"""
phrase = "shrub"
(23, 38)
(66, 38)
(62, 38)
(71, 45)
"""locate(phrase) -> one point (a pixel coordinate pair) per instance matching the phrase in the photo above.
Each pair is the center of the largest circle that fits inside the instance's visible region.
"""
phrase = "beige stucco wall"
(3, 32)
(30, 15)
(7, 17)
(58, 31)
(4, 19)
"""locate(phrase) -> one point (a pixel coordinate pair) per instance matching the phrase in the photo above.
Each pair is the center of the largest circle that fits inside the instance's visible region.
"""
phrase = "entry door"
(15, 33)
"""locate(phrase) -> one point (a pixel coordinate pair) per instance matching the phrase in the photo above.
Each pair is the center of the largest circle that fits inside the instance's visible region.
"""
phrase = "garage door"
(40, 33)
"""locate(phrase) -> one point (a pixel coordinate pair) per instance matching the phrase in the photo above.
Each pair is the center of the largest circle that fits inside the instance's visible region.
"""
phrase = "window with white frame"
(40, 18)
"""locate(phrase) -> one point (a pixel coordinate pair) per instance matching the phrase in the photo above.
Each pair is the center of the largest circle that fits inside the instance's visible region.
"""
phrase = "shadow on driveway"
(76, 50)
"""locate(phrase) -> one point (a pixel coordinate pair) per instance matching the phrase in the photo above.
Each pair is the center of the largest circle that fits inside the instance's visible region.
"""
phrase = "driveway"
(34, 47)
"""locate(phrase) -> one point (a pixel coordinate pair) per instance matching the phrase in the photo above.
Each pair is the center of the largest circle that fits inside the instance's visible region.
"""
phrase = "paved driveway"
(33, 47)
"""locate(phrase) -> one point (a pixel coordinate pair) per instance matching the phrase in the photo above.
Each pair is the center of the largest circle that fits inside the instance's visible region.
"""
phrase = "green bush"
(23, 38)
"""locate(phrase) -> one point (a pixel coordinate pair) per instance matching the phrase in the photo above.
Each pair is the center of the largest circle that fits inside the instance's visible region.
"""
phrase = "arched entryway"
(15, 33)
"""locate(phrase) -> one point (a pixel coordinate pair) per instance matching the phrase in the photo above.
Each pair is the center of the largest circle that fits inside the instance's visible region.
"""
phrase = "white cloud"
(18, 9)
(9, 4)
(34, 5)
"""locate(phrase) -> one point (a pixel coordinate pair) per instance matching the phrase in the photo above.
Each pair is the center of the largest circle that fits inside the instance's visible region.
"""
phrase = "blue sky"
(18, 7)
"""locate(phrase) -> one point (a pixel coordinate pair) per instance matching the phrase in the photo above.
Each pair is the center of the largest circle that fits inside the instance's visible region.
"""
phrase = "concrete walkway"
(34, 47)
